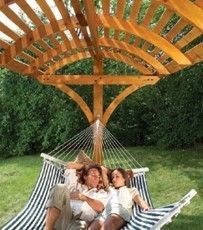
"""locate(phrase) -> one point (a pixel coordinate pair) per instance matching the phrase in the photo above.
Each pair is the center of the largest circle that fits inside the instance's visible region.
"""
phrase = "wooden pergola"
(81, 30)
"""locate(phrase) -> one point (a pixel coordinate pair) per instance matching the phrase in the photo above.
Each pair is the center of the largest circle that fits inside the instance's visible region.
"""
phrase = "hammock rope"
(113, 152)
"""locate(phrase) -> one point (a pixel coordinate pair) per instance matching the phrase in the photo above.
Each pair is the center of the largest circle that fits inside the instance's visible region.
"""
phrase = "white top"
(78, 206)
(123, 196)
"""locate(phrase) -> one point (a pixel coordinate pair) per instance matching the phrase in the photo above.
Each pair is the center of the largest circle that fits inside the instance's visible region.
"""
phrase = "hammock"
(52, 172)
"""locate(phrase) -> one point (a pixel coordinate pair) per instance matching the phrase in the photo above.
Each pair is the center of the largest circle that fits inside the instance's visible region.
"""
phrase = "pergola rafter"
(154, 49)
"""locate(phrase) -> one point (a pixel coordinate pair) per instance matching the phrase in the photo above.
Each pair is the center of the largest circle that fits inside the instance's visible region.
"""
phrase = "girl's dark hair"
(124, 174)
(85, 170)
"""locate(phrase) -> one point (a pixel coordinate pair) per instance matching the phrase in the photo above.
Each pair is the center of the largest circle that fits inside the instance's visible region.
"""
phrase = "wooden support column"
(98, 113)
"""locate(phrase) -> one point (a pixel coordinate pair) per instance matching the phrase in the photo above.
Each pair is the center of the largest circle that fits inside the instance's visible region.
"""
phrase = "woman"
(118, 210)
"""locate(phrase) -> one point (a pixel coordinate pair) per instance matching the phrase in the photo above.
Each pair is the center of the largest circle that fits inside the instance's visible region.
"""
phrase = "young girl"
(118, 210)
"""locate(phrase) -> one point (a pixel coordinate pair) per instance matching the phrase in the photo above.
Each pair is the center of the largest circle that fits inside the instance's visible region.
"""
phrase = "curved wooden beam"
(82, 55)
(51, 53)
(66, 61)
(35, 35)
(141, 31)
(114, 104)
(77, 98)
(119, 57)
(186, 9)
(47, 56)
(134, 50)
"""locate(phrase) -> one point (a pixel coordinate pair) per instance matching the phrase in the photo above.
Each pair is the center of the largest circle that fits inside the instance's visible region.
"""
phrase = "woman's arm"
(138, 200)
(74, 165)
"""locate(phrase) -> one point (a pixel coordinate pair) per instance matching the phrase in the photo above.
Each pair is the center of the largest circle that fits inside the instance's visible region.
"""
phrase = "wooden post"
(97, 114)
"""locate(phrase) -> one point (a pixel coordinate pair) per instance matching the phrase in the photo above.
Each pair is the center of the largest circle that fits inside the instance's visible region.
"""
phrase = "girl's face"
(117, 179)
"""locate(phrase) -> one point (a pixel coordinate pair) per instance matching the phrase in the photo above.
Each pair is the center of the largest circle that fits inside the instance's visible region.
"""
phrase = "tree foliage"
(169, 113)
(36, 118)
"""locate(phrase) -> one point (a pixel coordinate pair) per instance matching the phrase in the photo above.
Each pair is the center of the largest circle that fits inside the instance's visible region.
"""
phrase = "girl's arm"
(138, 200)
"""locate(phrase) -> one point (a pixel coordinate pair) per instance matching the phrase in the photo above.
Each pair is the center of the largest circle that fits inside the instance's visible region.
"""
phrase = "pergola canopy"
(158, 40)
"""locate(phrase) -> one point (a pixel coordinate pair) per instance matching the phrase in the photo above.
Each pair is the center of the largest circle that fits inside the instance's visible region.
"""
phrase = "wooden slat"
(29, 56)
(106, 6)
(62, 9)
(33, 36)
(46, 57)
(176, 29)
(53, 40)
(173, 67)
(66, 41)
(26, 56)
(120, 9)
(135, 51)
(163, 21)
(190, 36)
(106, 54)
(51, 53)
(127, 37)
(68, 60)
(30, 12)
(149, 36)
(38, 52)
(127, 60)
(43, 44)
(46, 9)
(145, 46)
(188, 10)
(155, 51)
(196, 53)
(4, 45)
(199, 3)
(16, 66)
(15, 19)
(8, 31)
(163, 58)
(116, 34)
(135, 10)
(150, 13)
(137, 41)
(106, 32)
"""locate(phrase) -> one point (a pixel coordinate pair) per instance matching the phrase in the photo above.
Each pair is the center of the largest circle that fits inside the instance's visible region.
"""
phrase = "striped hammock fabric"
(33, 214)
(150, 219)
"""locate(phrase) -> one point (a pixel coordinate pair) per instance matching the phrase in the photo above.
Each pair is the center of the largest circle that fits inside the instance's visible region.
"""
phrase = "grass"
(172, 174)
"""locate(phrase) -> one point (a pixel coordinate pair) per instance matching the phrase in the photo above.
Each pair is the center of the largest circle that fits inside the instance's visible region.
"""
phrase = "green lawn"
(172, 174)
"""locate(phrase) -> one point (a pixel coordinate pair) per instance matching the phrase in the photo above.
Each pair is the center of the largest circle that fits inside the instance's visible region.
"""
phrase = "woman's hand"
(74, 165)
(147, 208)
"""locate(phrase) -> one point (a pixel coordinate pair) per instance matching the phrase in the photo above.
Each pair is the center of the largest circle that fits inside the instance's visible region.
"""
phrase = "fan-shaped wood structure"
(156, 37)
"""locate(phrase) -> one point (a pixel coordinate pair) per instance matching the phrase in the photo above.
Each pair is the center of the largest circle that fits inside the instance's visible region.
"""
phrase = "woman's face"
(117, 179)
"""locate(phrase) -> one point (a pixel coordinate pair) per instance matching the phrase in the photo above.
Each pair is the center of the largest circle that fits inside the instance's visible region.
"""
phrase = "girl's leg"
(113, 222)
(96, 225)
